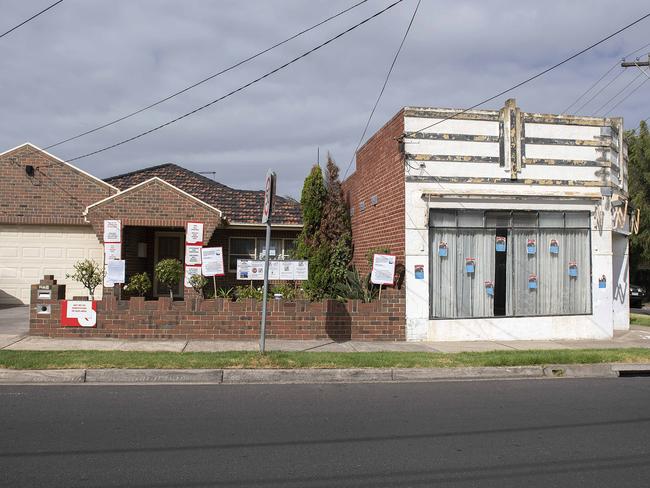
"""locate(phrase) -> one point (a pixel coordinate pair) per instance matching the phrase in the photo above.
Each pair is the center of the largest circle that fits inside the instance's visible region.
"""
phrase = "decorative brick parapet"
(195, 318)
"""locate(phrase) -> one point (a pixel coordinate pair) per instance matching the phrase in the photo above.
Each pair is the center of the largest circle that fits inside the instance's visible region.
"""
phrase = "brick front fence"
(195, 318)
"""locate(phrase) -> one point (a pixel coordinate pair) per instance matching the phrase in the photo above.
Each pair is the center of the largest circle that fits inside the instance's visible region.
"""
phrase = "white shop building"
(515, 225)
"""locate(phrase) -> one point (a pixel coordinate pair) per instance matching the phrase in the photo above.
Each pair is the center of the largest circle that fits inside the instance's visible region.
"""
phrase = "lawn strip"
(293, 360)
(639, 319)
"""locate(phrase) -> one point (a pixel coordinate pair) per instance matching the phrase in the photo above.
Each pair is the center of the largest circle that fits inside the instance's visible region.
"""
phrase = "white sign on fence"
(116, 271)
(192, 255)
(212, 261)
(112, 231)
(194, 233)
(112, 250)
(383, 269)
(189, 272)
(278, 270)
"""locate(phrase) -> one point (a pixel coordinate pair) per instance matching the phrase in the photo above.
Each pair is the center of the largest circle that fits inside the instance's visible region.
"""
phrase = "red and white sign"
(383, 269)
(112, 250)
(194, 233)
(212, 261)
(189, 272)
(192, 255)
(78, 313)
(112, 231)
(269, 194)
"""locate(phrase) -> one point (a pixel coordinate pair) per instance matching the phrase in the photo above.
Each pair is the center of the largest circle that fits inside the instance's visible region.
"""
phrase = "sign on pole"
(194, 233)
(269, 195)
(383, 269)
(189, 272)
(269, 192)
(112, 231)
(212, 261)
(116, 271)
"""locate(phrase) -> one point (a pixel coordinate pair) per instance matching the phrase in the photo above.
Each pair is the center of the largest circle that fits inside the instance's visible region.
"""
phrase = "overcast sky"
(86, 62)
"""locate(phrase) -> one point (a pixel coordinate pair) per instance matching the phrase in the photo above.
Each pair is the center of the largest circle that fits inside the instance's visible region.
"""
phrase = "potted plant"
(139, 284)
(89, 274)
(169, 273)
(198, 283)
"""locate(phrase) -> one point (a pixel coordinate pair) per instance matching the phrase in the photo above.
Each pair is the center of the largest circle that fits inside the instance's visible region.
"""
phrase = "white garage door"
(27, 252)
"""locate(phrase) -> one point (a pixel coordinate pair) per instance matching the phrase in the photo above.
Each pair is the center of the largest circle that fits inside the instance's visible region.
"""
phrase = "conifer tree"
(336, 230)
(326, 238)
(312, 201)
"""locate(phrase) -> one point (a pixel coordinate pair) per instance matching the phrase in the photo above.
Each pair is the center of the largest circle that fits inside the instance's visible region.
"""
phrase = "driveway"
(14, 324)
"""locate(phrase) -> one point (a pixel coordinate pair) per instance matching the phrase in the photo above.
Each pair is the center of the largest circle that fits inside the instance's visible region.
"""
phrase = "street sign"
(269, 194)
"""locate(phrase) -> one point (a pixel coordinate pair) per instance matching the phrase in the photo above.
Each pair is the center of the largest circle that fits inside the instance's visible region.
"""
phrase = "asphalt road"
(539, 433)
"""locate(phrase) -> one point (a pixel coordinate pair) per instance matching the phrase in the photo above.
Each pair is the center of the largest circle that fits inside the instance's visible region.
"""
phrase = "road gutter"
(315, 376)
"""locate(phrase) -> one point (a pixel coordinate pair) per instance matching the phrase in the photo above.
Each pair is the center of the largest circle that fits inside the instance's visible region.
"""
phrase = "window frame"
(258, 246)
(511, 227)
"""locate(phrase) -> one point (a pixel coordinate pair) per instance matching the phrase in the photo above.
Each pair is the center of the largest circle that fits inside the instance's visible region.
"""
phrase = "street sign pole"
(266, 286)
(269, 193)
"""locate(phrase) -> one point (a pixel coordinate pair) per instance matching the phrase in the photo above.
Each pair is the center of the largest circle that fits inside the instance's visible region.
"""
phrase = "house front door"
(168, 245)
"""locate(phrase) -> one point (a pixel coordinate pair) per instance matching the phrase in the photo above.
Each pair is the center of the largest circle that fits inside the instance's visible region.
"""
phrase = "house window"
(509, 263)
(240, 248)
(254, 248)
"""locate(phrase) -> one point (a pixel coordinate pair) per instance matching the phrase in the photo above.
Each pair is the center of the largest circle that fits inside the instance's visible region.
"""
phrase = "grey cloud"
(86, 62)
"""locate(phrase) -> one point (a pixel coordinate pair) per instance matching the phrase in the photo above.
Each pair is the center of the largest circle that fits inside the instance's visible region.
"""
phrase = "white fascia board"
(61, 161)
(155, 178)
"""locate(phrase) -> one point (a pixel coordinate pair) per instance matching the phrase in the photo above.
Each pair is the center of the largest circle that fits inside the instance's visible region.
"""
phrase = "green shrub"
(89, 274)
(243, 292)
(198, 282)
(169, 272)
(139, 284)
(288, 291)
(356, 288)
(226, 293)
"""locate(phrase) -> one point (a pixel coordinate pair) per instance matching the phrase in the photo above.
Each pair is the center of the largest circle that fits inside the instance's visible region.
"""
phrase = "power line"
(629, 94)
(541, 73)
(590, 88)
(636, 51)
(204, 80)
(31, 18)
(599, 92)
(617, 93)
(243, 87)
(600, 79)
(381, 92)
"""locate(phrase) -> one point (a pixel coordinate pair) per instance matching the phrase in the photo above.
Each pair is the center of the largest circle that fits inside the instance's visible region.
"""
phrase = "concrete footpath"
(636, 337)
(13, 337)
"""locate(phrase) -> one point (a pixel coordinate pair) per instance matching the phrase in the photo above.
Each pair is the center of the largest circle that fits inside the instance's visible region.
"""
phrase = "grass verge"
(239, 359)
(639, 319)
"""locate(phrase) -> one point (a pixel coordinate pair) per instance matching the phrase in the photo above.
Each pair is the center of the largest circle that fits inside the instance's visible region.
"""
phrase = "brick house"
(510, 225)
(52, 214)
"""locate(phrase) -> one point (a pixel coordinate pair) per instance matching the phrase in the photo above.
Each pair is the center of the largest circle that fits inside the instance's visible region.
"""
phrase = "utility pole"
(637, 63)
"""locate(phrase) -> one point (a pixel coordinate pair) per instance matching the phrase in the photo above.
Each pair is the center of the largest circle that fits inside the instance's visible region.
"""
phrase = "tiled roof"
(238, 206)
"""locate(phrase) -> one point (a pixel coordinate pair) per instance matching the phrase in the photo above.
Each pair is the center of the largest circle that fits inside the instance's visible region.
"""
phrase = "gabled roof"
(238, 206)
(32, 147)
(152, 180)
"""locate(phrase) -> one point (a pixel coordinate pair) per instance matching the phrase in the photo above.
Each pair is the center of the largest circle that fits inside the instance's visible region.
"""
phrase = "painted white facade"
(556, 163)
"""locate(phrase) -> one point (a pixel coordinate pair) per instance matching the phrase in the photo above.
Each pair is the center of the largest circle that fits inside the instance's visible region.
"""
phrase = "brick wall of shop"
(226, 320)
(379, 173)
